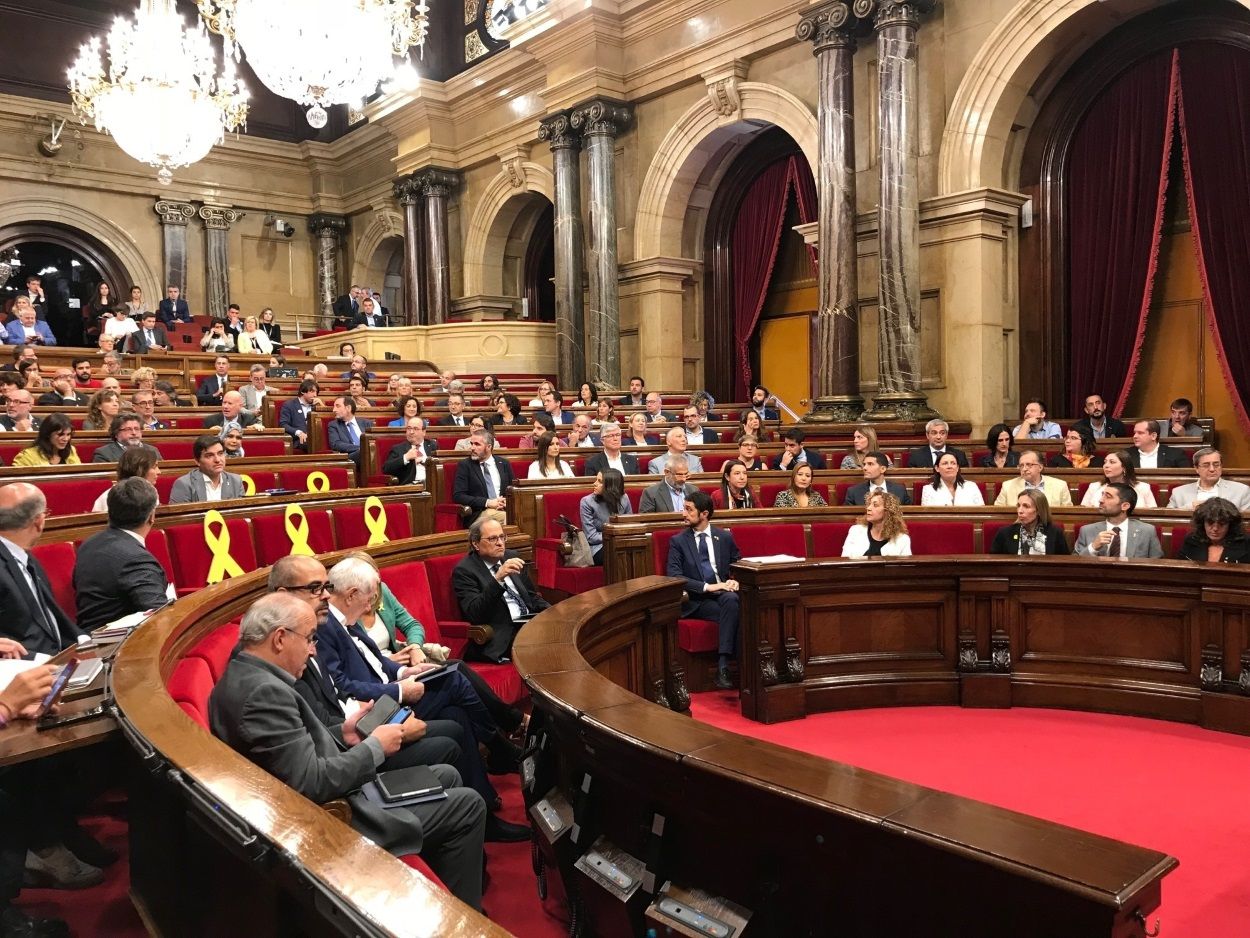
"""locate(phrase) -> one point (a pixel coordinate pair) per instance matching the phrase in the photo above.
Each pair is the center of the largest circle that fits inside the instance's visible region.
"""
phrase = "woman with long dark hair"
(1120, 466)
(1001, 446)
(597, 508)
(507, 411)
(98, 307)
(53, 446)
(735, 488)
(587, 396)
(549, 462)
(948, 487)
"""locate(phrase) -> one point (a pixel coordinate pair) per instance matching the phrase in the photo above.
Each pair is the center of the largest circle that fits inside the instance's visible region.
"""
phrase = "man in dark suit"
(256, 710)
(760, 396)
(1150, 453)
(875, 465)
(553, 406)
(483, 479)
(369, 314)
(173, 308)
(414, 462)
(115, 574)
(148, 337)
(213, 388)
(126, 430)
(456, 417)
(64, 392)
(32, 616)
(612, 457)
(702, 555)
(655, 409)
(346, 307)
(1097, 421)
(495, 593)
(232, 414)
(34, 293)
(926, 457)
(294, 414)
(637, 393)
(696, 433)
(795, 453)
(345, 431)
(670, 493)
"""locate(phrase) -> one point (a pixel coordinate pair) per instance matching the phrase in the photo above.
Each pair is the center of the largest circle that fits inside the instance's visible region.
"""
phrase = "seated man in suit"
(210, 482)
(456, 417)
(32, 617)
(580, 436)
(148, 337)
(232, 414)
(256, 390)
(553, 406)
(1118, 535)
(655, 409)
(213, 388)
(1180, 420)
(17, 416)
(612, 456)
(696, 433)
(115, 574)
(676, 440)
(482, 479)
(542, 424)
(369, 314)
(1056, 490)
(1150, 453)
(669, 494)
(344, 432)
(495, 593)
(173, 307)
(875, 467)
(926, 457)
(126, 430)
(414, 462)
(795, 453)
(760, 396)
(26, 329)
(294, 414)
(637, 393)
(1096, 420)
(64, 392)
(255, 710)
(1211, 484)
(702, 555)
(144, 403)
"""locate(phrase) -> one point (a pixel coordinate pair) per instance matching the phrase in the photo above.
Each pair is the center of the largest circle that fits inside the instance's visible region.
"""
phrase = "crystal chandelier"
(160, 97)
(319, 52)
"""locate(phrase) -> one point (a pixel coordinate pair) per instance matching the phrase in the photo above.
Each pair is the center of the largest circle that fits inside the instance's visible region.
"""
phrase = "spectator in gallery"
(800, 493)
(1216, 534)
(1033, 532)
(881, 532)
(216, 339)
(270, 327)
(174, 308)
(253, 340)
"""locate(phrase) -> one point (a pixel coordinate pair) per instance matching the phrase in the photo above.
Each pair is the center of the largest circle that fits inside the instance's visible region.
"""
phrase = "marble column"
(570, 245)
(174, 217)
(600, 121)
(436, 186)
(217, 222)
(409, 196)
(328, 230)
(898, 346)
(831, 30)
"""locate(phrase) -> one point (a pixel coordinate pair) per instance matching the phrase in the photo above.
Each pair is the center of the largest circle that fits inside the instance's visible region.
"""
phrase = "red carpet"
(1166, 786)
(511, 897)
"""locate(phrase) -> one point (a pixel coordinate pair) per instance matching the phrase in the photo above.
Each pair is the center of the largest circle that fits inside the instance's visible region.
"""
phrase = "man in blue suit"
(172, 308)
(344, 432)
(27, 330)
(702, 555)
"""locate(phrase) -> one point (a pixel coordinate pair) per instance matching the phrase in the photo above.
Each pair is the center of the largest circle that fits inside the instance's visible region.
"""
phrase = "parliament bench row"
(173, 444)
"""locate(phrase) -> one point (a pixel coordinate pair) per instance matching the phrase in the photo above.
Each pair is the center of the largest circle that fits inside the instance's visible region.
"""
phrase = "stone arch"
(493, 219)
(113, 238)
(384, 223)
(689, 148)
(976, 149)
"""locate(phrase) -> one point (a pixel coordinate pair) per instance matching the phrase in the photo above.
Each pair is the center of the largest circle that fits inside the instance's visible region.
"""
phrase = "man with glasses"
(1211, 484)
(144, 403)
(496, 594)
(126, 431)
(612, 457)
(17, 416)
(256, 710)
(63, 393)
(1031, 478)
(671, 492)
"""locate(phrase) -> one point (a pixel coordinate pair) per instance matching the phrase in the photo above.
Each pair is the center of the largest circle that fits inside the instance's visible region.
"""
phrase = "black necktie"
(1114, 549)
(705, 564)
(42, 598)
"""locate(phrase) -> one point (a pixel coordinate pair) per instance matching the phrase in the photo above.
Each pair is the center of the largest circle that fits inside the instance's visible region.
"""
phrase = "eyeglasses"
(312, 588)
(496, 538)
(310, 639)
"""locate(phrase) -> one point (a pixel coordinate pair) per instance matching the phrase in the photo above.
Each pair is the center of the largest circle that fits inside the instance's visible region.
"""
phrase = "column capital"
(327, 225)
(831, 26)
(601, 117)
(886, 13)
(435, 182)
(174, 213)
(406, 191)
(219, 217)
(559, 132)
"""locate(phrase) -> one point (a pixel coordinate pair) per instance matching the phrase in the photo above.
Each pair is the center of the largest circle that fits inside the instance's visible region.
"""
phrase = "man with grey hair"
(256, 710)
(671, 492)
(580, 435)
(936, 431)
(1211, 483)
(115, 574)
(612, 457)
(677, 443)
(483, 479)
(126, 430)
(33, 623)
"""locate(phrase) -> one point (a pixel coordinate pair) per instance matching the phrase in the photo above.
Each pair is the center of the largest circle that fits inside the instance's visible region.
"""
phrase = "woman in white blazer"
(881, 532)
(949, 489)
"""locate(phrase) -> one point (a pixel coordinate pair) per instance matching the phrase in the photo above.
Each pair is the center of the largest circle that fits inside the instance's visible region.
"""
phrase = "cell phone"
(400, 715)
(383, 709)
(81, 716)
(58, 687)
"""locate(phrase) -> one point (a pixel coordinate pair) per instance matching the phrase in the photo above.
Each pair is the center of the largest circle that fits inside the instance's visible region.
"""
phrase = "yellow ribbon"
(318, 483)
(375, 521)
(297, 531)
(249, 484)
(219, 543)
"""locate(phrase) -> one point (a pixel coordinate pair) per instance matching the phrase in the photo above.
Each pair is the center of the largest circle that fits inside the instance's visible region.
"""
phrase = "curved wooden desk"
(807, 846)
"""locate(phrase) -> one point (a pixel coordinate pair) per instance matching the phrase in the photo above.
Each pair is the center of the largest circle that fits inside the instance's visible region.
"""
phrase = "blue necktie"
(354, 433)
(705, 565)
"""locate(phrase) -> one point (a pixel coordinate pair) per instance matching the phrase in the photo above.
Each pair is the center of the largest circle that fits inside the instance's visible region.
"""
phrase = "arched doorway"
(384, 272)
(516, 259)
(69, 264)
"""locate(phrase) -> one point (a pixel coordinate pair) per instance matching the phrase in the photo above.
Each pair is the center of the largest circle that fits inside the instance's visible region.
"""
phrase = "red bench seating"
(549, 568)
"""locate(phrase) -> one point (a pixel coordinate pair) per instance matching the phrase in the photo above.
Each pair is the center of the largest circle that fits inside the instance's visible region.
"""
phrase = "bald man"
(32, 618)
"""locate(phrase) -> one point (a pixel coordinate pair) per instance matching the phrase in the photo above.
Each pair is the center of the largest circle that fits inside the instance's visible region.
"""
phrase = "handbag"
(579, 552)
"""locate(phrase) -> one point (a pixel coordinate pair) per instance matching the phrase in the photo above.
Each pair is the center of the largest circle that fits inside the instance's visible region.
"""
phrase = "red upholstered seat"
(414, 860)
(698, 635)
(764, 540)
(715, 462)
(158, 545)
(194, 714)
(73, 496)
(507, 440)
(644, 460)
(165, 485)
(989, 530)
(215, 648)
(841, 489)
(941, 537)
(297, 479)
(349, 524)
(57, 560)
(273, 543)
(177, 449)
(265, 446)
(385, 444)
(263, 478)
(447, 614)
(189, 685)
(827, 538)
(449, 517)
(1179, 531)
(193, 559)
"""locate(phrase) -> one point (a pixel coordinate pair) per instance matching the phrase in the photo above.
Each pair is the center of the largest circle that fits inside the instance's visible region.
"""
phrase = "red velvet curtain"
(756, 240)
(1215, 136)
(1117, 181)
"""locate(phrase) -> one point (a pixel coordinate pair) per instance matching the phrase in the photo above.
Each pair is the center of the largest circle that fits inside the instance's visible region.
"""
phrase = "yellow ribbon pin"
(297, 531)
(318, 483)
(249, 484)
(219, 543)
(375, 521)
